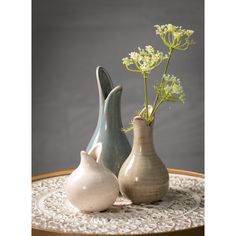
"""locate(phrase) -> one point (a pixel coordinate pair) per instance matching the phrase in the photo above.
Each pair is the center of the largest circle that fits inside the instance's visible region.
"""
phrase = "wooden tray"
(181, 213)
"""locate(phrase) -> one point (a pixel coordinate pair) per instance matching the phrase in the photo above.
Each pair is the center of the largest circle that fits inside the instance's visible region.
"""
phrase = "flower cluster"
(170, 89)
(144, 61)
(175, 37)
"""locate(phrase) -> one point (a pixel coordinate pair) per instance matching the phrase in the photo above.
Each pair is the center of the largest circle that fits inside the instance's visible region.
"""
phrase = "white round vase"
(92, 187)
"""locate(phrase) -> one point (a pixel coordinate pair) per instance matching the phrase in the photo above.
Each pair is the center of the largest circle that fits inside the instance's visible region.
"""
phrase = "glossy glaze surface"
(92, 187)
(116, 147)
(143, 177)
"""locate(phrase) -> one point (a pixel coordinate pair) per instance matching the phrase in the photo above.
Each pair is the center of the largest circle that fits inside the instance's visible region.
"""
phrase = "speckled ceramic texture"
(92, 187)
(116, 147)
(143, 177)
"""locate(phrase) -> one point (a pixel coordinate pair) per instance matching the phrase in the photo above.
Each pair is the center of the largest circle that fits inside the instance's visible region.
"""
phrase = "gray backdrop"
(72, 37)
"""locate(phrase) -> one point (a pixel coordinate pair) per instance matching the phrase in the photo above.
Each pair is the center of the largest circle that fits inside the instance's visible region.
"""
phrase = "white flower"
(134, 56)
(189, 33)
(126, 61)
(149, 49)
(145, 60)
(171, 27)
(159, 29)
(171, 90)
(181, 36)
(144, 67)
(177, 35)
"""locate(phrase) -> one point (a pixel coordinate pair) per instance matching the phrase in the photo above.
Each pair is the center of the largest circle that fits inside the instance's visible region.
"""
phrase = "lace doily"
(181, 208)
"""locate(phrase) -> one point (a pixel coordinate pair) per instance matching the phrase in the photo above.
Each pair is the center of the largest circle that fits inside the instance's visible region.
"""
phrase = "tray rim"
(195, 231)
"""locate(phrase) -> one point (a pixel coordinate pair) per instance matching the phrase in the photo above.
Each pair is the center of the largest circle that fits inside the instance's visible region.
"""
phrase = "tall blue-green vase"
(116, 147)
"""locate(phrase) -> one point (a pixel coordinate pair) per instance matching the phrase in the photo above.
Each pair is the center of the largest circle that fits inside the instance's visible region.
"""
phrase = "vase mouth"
(94, 156)
(150, 109)
(117, 90)
(140, 119)
(104, 81)
(96, 152)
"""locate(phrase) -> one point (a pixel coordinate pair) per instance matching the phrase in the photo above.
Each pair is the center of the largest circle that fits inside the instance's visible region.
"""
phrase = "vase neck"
(109, 101)
(112, 112)
(143, 136)
(93, 159)
(104, 88)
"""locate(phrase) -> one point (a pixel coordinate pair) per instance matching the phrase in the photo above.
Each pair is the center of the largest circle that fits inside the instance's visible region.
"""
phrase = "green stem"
(167, 64)
(132, 69)
(145, 93)
(136, 64)
(155, 109)
(155, 106)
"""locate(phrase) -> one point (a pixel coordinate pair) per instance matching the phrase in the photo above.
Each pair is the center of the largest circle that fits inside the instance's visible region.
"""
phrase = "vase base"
(150, 195)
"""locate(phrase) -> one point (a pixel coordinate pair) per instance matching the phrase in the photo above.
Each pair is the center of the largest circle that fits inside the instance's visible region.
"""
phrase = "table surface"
(181, 211)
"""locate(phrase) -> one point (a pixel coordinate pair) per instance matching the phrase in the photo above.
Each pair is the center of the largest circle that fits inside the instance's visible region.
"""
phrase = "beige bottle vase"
(143, 178)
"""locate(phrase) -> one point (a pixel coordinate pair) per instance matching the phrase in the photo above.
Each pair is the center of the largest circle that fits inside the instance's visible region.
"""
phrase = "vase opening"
(96, 152)
(142, 114)
(105, 81)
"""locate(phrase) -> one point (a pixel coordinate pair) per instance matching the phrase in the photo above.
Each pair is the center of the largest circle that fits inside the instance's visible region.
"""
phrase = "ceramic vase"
(92, 187)
(116, 147)
(143, 178)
